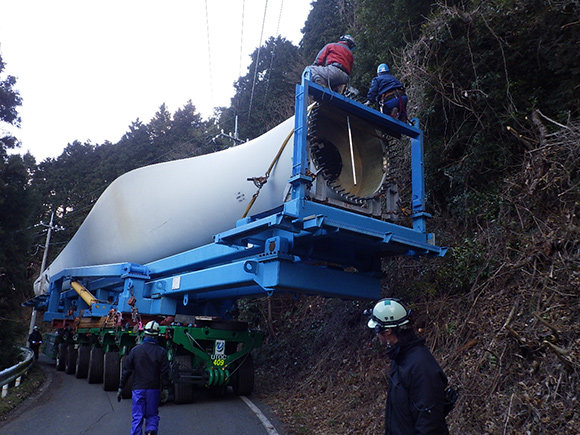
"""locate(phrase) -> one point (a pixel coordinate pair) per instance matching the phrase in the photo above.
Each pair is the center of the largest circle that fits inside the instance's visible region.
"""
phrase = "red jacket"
(336, 52)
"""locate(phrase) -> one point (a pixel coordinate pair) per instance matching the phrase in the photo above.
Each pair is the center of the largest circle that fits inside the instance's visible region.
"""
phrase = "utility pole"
(236, 129)
(42, 267)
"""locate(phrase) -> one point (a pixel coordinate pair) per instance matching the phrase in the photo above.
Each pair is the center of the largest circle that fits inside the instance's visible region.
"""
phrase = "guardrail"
(15, 372)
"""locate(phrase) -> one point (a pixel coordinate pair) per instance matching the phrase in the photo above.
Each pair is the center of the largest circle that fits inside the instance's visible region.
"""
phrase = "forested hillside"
(496, 85)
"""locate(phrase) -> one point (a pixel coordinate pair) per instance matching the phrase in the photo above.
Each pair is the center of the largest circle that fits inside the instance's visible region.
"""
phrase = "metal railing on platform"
(14, 373)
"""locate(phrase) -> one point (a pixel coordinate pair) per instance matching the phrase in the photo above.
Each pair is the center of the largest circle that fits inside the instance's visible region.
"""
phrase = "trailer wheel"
(111, 371)
(71, 359)
(128, 388)
(95, 372)
(82, 366)
(243, 380)
(61, 357)
(183, 391)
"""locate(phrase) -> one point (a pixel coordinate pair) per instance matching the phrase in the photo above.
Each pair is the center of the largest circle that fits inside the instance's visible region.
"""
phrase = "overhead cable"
(209, 54)
(273, 53)
(257, 61)
(241, 39)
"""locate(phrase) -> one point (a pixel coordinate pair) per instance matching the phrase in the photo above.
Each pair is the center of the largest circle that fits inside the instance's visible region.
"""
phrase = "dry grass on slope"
(510, 342)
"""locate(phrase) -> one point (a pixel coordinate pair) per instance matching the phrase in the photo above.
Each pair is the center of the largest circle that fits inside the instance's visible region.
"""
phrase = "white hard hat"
(152, 328)
(389, 313)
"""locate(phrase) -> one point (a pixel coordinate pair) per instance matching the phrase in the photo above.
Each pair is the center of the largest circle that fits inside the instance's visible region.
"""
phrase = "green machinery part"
(217, 376)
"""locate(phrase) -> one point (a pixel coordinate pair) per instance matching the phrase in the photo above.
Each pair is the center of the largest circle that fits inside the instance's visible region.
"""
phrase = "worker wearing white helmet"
(150, 368)
(416, 394)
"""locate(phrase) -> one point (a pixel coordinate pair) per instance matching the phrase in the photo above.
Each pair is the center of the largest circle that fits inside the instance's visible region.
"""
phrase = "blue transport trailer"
(326, 237)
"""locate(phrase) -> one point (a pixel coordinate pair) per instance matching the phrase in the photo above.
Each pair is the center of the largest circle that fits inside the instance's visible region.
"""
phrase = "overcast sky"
(86, 69)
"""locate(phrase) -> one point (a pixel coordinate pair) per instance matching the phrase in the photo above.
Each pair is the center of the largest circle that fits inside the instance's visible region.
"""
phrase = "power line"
(273, 53)
(257, 61)
(241, 39)
(209, 54)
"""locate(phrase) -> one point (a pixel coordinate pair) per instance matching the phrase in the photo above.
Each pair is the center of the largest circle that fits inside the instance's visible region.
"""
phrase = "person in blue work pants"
(389, 93)
(150, 368)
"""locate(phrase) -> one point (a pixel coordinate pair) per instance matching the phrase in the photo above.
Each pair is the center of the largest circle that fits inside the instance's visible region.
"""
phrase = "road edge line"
(263, 419)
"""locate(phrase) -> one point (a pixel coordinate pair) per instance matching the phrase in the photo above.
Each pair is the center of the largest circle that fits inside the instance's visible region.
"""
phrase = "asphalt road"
(73, 406)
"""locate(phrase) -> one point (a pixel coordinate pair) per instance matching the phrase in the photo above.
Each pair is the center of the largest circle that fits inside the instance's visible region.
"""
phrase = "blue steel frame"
(301, 247)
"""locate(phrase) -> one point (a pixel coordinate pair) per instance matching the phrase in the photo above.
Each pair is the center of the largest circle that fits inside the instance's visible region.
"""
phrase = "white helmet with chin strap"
(389, 313)
(152, 328)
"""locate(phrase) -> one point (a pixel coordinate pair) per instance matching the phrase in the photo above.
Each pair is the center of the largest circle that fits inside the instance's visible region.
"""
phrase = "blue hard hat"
(383, 67)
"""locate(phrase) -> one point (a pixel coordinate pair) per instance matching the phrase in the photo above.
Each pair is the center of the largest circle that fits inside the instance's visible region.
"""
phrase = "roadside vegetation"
(31, 383)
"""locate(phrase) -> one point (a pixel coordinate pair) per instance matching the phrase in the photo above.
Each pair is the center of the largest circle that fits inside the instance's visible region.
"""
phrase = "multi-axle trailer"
(317, 223)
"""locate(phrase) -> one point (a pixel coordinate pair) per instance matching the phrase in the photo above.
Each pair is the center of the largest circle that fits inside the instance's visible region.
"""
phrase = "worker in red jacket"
(333, 64)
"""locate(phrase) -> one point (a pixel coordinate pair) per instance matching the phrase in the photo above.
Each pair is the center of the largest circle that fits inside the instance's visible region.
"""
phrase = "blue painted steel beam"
(419, 215)
(282, 250)
(318, 280)
(109, 283)
(355, 108)
(254, 278)
(221, 276)
(239, 234)
(102, 271)
(308, 217)
(299, 179)
(199, 258)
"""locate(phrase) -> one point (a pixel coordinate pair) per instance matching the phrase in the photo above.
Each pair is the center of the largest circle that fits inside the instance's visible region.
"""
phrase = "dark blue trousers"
(145, 409)
(400, 103)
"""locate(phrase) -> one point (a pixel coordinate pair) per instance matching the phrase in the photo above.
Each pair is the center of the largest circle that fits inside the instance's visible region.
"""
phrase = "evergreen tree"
(326, 22)
(264, 103)
(483, 68)
(382, 28)
(70, 184)
(187, 133)
(16, 207)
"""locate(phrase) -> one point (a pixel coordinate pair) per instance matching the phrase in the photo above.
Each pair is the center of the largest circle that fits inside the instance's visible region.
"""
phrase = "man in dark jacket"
(333, 64)
(416, 392)
(150, 367)
(389, 93)
(34, 341)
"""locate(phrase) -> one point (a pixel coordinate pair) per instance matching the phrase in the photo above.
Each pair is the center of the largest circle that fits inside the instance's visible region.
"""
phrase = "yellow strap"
(267, 175)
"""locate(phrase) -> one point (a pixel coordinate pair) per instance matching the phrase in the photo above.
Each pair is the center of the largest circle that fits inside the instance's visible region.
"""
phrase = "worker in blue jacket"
(416, 393)
(389, 93)
(150, 367)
